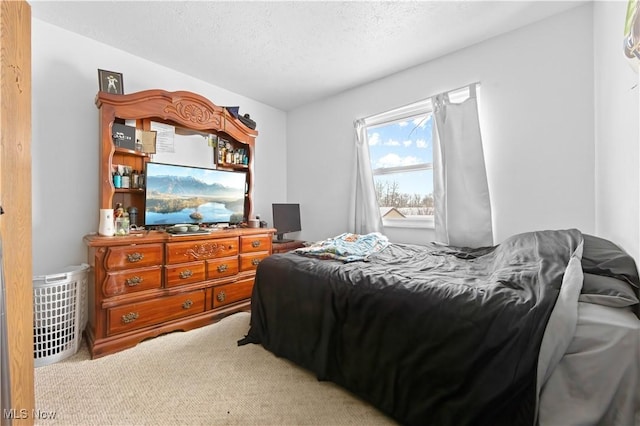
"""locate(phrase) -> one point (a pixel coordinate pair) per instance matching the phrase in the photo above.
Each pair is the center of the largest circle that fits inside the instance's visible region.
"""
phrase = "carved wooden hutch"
(152, 282)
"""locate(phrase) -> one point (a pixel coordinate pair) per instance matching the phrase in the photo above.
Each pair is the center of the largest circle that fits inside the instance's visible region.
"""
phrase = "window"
(401, 153)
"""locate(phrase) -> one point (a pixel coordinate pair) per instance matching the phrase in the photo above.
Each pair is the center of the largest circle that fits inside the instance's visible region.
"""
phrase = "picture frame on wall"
(110, 82)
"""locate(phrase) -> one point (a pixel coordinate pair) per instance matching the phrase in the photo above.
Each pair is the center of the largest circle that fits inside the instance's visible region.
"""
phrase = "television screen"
(286, 218)
(184, 194)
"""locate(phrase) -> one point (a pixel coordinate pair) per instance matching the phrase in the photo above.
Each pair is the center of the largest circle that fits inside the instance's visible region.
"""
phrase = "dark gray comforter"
(431, 335)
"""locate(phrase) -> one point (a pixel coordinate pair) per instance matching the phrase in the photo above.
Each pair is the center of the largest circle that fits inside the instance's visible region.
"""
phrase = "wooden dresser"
(150, 283)
(153, 282)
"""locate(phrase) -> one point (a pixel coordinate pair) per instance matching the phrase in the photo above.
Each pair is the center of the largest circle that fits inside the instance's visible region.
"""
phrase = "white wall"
(616, 130)
(537, 112)
(65, 137)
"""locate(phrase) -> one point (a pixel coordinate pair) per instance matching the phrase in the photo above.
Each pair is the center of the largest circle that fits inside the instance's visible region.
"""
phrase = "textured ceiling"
(287, 54)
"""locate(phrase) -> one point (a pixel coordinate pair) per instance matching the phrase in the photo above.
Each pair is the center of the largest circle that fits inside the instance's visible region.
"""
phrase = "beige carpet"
(197, 377)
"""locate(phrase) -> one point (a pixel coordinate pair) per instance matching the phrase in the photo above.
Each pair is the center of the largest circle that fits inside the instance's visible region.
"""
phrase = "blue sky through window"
(404, 143)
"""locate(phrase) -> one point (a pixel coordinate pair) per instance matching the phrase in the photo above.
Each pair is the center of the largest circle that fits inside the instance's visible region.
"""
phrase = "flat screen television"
(185, 194)
(286, 219)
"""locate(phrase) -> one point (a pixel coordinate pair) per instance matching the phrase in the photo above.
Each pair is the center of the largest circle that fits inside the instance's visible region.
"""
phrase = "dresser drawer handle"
(223, 267)
(255, 243)
(186, 274)
(255, 262)
(221, 296)
(130, 317)
(187, 304)
(134, 281)
(135, 257)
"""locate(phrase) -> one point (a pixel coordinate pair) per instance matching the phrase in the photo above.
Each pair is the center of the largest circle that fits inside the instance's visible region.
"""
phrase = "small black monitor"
(286, 219)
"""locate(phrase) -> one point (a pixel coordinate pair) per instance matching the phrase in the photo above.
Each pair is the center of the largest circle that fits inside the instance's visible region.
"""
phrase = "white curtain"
(461, 192)
(366, 211)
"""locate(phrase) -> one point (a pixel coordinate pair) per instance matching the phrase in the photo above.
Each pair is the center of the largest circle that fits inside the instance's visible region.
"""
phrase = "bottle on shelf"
(243, 157)
(117, 179)
(221, 153)
(133, 216)
(135, 184)
(126, 178)
(118, 211)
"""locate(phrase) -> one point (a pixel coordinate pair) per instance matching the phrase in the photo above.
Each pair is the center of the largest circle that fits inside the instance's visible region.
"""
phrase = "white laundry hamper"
(59, 314)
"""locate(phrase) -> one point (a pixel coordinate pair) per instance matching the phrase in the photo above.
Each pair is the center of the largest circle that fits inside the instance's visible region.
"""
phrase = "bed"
(540, 329)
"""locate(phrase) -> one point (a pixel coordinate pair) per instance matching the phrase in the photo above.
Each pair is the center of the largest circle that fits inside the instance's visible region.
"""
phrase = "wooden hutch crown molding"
(181, 109)
(185, 108)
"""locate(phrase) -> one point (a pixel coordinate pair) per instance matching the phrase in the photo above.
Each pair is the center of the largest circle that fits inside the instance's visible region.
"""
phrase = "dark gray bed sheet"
(428, 334)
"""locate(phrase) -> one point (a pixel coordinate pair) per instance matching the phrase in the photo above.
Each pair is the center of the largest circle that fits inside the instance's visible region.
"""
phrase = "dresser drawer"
(253, 243)
(231, 293)
(225, 267)
(201, 250)
(132, 280)
(250, 261)
(150, 312)
(184, 273)
(133, 256)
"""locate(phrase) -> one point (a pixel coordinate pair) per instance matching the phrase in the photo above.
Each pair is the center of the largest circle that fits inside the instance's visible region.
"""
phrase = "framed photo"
(223, 147)
(110, 82)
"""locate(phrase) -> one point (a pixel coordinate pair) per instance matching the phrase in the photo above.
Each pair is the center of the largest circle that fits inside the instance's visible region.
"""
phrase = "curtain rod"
(476, 83)
(380, 117)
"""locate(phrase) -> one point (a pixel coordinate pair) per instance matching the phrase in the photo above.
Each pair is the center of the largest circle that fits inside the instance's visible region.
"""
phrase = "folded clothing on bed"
(347, 247)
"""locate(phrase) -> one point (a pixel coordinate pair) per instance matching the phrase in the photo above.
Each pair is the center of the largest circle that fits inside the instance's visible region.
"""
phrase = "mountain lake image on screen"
(184, 194)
